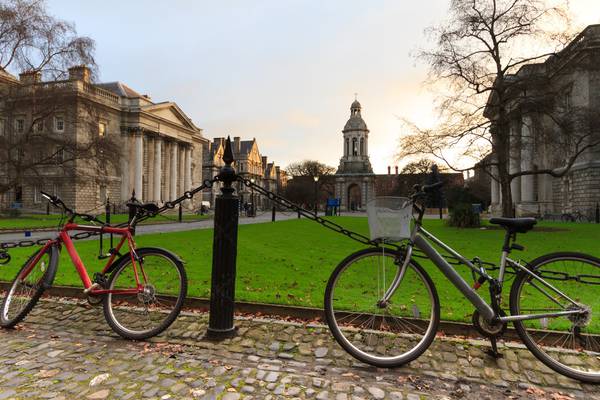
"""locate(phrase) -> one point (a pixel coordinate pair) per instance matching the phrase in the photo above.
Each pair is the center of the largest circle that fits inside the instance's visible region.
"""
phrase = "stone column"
(514, 162)
(527, 181)
(139, 165)
(150, 168)
(125, 186)
(187, 185)
(173, 175)
(181, 171)
(157, 169)
(495, 186)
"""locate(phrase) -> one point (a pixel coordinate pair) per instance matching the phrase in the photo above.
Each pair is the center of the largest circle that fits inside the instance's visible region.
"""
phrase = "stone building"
(355, 182)
(573, 78)
(249, 163)
(161, 148)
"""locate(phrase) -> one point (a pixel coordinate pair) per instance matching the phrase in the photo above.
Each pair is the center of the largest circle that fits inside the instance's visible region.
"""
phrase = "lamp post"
(316, 179)
(252, 209)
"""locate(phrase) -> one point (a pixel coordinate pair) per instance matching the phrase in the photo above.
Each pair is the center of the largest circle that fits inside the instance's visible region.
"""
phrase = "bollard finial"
(228, 154)
(227, 174)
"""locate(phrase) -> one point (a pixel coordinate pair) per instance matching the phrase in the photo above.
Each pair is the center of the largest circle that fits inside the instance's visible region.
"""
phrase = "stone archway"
(354, 198)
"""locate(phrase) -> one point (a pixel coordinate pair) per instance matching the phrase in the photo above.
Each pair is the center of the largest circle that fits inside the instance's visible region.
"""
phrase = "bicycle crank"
(489, 329)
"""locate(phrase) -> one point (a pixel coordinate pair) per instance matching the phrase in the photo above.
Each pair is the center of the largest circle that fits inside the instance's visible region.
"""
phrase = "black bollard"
(298, 214)
(222, 293)
(47, 208)
(180, 213)
(597, 213)
(273, 214)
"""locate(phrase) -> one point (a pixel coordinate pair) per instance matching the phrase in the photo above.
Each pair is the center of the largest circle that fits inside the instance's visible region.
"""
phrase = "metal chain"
(282, 201)
(141, 214)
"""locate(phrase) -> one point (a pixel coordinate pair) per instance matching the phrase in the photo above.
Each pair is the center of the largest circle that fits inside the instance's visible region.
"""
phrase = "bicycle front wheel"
(151, 311)
(383, 334)
(28, 286)
(569, 344)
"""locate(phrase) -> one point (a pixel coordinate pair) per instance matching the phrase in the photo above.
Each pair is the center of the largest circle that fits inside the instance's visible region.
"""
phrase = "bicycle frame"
(419, 238)
(64, 238)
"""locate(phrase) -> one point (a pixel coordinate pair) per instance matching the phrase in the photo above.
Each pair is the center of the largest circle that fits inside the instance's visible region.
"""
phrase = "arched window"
(347, 152)
(362, 146)
(354, 147)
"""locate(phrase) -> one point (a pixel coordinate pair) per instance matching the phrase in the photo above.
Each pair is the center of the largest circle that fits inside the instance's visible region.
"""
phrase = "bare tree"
(49, 132)
(33, 40)
(486, 57)
(310, 168)
(422, 166)
(33, 147)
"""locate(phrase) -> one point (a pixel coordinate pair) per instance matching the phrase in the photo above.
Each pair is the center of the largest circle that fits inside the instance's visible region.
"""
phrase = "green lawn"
(33, 221)
(289, 262)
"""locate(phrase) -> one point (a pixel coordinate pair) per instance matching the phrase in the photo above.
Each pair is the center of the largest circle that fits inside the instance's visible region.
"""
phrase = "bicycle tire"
(389, 329)
(117, 315)
(570, 345)
(41, 280)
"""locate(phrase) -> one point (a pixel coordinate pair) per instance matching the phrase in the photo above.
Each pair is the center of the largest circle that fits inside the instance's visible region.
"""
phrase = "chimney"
(264, 162)
(29, 77)
(236, 145)
(389, 170)
(396, 170)
(79, 73)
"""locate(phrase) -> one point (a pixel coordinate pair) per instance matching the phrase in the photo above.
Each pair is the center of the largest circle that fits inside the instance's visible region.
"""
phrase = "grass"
(289, 262)
(37, 221)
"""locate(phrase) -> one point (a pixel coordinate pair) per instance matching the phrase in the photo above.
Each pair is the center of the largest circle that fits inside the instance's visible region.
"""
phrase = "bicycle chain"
(142, 215)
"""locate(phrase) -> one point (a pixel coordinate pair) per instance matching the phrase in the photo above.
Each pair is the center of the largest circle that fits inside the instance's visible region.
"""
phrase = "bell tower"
(355, 159)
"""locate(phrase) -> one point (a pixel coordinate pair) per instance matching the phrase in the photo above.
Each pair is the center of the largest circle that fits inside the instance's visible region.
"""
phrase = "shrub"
(463, 216)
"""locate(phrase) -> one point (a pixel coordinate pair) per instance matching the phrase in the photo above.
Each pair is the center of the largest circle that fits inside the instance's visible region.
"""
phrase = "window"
(59, 124)
(362, 146)
(20, 125)
(354, 147)
(347, 147)
(101, 129)
(39, 125)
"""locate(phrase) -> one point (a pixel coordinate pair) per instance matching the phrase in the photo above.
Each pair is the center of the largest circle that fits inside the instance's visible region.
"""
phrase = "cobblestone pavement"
(64, 350)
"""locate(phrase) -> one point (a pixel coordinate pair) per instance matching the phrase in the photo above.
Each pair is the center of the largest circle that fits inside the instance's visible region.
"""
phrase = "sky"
(282, 71)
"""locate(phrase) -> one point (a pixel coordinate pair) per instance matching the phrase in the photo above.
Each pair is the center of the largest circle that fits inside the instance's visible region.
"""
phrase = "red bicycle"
(142, 290)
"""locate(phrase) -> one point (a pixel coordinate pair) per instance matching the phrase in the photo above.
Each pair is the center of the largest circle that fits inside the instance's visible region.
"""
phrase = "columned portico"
(157, 169)
(527, 181)
(514, 162)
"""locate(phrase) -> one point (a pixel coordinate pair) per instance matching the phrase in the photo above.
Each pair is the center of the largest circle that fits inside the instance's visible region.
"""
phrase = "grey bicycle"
(383, 308)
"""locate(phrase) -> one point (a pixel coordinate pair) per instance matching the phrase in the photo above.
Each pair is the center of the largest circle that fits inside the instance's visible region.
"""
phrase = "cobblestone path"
(64, 350)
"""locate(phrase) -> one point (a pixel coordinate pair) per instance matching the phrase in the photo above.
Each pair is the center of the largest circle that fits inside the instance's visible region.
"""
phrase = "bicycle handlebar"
(57, 202)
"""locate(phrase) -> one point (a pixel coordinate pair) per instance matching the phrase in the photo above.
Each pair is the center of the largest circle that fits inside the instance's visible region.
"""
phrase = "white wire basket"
(389, 218)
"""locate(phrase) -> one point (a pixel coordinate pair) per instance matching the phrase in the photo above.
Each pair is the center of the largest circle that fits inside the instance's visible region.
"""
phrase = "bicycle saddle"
(515, 225)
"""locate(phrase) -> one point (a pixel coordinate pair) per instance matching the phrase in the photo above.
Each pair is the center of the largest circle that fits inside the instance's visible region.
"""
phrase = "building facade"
(160, 148)
(250, 164)
(573, 77)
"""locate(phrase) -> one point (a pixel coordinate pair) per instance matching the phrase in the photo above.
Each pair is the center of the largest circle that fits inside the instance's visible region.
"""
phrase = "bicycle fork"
(397, 279)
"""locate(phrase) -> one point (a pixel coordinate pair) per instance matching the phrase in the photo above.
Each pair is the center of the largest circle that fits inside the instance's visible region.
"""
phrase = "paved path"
(159, 228)
(64, 350)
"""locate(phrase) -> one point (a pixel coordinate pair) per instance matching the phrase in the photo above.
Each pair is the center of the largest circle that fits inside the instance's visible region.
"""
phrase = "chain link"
(141, 216)
(282, 201)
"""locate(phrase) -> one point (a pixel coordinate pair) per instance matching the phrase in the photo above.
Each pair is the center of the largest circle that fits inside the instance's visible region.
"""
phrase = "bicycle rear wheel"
(28, 286)
(148, 313)
(569, 344)
(383, 335)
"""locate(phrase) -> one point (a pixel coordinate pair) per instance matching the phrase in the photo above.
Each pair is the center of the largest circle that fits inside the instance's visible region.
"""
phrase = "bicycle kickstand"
(494, 350)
